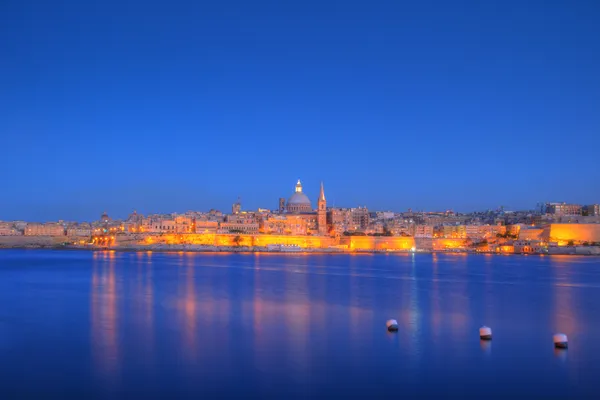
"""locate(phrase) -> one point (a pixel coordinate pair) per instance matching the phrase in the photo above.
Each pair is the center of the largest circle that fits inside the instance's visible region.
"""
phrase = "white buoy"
(560, 341)
(485, 333)
(392, 325)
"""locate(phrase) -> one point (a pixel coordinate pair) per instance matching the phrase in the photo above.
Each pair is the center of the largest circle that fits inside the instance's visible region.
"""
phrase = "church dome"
(299, 199)
(299, 202)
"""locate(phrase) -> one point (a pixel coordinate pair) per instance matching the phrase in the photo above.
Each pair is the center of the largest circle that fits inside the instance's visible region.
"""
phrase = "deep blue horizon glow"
(173, 106)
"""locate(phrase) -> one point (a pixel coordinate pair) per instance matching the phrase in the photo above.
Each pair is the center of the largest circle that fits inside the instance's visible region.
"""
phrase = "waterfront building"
(20, 225)
(287, 224)
(474, 232)
(484, 231)
(9, 229)
(203, 226)
(454, 231)
(164, 226)
(248, 228)
(423, 231)
(81, 230)
(183, 223)
(47, 229)
(242, 222)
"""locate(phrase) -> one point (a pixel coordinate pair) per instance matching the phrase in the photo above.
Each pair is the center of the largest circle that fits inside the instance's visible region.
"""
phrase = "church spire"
(322, 213)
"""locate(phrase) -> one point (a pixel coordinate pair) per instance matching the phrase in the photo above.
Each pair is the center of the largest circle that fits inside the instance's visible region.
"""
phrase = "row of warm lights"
(103, 240)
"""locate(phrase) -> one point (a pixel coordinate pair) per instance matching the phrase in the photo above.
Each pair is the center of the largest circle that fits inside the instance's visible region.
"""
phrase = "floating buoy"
(560, 341)
(392, 325)
(485, 333)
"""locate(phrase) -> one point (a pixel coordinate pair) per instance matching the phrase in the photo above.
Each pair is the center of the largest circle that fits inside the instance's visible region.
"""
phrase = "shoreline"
(247, 250)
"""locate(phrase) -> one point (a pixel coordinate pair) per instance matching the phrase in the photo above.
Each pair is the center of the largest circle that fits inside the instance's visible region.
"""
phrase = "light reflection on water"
(104, 327)
(190, 324)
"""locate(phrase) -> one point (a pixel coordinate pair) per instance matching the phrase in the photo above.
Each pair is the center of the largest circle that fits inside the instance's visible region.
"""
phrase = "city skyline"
(186, 105)
(69, 211)
(313, 205)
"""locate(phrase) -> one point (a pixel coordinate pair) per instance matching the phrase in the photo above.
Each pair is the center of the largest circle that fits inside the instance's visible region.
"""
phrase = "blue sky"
(165, 106)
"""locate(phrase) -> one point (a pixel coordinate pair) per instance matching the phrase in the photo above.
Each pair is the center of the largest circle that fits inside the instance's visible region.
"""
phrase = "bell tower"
(322, 212)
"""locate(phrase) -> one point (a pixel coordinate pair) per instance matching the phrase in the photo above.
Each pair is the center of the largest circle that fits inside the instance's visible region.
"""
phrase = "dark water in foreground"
(150, 325)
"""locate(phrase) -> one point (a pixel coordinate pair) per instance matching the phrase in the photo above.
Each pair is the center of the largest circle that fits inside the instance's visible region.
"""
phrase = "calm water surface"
(185, 325)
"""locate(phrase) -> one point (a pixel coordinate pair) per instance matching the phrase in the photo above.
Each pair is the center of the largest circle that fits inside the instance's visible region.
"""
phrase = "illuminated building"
(236, 208)
(164, 225)
(83, 230)
(360, 217)
(298, 202)
(133, 224)
(245, 223)
(484, 231)
(340, 219)
(232, 227)
(530, 247)
(348, 219)
(560, 209)
(454, 231)
(322, 212)
(105, 218)
(298, 217)
(424, 231)
(206, 226)
(47, 229)
(167, 224)
(287, 224)
(8, 229)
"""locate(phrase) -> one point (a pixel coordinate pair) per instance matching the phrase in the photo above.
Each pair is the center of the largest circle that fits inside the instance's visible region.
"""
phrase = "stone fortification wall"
(377, 243)
(575, 232)
(35, 241)
(224, 240)
(531, 234)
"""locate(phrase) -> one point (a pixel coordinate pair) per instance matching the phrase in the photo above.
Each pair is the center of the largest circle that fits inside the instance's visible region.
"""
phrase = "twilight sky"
(166, 106)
